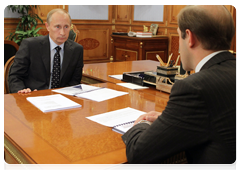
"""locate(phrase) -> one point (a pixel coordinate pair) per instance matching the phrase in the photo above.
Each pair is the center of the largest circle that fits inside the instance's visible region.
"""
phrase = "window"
(88, 12)
(148, 13)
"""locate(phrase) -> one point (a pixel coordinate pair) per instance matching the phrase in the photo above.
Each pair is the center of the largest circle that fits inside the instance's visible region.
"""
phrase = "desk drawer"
(126, 55)
(129, 44)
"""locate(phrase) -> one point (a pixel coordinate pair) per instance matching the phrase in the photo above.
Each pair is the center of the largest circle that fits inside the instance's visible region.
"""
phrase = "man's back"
(199, 119)
(217, 85)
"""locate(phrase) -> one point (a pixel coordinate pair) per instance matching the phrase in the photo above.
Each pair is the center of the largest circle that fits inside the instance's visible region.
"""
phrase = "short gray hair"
(49, 15)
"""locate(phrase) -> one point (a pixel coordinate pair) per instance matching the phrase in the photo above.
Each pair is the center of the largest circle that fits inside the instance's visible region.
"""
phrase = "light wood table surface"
(67, 136)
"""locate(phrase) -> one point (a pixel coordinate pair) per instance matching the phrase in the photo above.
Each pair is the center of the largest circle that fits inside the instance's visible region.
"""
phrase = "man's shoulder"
(194, 81)
(36, 39)
(74, 44)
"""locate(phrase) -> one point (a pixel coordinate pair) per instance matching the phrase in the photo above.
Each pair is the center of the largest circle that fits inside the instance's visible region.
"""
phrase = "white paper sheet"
(101, 94)
(117, 117)
(119, 77)
(132, 86)
(52, 102)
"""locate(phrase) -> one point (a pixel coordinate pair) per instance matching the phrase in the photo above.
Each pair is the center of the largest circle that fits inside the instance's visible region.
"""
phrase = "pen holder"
(166, 71)
(165, 79)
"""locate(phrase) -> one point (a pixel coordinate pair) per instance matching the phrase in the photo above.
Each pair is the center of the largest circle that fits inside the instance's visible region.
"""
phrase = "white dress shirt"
(205, 59)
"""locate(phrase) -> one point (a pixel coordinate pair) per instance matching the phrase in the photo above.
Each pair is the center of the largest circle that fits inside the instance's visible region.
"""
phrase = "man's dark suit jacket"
(200, 119)
(31, 67)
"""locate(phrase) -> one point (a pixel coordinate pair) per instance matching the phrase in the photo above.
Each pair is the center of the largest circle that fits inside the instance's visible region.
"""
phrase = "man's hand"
(26, 91)
(150, 116)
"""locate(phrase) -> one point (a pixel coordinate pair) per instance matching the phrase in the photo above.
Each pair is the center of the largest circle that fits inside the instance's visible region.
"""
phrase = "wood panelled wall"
(95, 35)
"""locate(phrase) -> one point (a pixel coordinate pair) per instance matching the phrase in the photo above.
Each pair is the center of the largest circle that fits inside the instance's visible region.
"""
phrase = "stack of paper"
(121, 120)
(52, 103)
(144, 34)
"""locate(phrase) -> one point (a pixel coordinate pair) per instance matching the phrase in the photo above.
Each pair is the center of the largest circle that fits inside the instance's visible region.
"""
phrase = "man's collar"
(53, 44)
(205, 60)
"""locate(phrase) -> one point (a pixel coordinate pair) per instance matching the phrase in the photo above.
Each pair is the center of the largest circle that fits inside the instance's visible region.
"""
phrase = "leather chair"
(73, 34)
(10, 49)
(7, 68)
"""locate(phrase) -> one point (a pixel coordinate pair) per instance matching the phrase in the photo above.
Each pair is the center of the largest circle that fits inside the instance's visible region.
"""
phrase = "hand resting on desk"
(28, 90)
(150, 116)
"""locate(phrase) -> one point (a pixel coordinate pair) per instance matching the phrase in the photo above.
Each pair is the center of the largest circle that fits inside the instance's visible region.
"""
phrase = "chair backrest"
(73, 34)
(10, 49)
(7, 68)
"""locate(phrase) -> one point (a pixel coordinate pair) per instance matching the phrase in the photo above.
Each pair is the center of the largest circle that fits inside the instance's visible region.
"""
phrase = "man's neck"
(205, 60)
(53, 44)
(200, 55)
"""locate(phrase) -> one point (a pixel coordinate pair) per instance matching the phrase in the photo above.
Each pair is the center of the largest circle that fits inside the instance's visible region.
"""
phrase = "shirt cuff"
(145, 121)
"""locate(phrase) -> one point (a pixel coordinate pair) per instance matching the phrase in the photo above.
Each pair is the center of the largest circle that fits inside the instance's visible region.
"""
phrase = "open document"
(52, 103)
(121, 120)
(74, 90)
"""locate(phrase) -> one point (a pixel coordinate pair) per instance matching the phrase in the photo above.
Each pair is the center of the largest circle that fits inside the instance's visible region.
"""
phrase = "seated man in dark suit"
(200, 116)
(34, 68)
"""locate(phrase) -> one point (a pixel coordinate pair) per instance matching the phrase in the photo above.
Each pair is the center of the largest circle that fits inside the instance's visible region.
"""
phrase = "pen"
(177, 60)
(160, 60)
(169, 59)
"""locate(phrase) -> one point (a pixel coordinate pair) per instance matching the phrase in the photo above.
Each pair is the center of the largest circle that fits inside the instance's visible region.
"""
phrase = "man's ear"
(191, 38)
(46, 25)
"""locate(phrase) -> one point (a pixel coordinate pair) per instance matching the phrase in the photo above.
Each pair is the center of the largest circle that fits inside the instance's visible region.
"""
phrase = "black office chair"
(10, 49)
(7, 68)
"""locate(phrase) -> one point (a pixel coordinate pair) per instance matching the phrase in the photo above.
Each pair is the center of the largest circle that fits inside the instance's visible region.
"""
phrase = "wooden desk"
(99, 72)
(127, 48)
(31, 136)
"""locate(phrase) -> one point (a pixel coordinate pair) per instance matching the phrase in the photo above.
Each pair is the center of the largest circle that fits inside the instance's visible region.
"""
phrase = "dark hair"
(215, 32)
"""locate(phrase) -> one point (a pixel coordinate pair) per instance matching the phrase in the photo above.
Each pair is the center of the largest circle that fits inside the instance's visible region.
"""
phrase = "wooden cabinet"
(125, 48)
